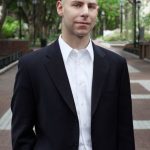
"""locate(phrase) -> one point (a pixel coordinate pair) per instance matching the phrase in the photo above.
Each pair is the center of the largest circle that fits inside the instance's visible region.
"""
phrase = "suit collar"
(100, 72)
(56, 69)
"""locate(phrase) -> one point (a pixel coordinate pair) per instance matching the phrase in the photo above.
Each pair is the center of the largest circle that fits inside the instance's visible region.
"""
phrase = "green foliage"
(147, 20)
(112, 12)
(53, 37)
(147, 36)
(10, 27)
(113, 37)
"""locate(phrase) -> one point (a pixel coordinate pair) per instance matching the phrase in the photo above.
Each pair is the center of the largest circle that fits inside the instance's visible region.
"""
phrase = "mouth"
(83, 23)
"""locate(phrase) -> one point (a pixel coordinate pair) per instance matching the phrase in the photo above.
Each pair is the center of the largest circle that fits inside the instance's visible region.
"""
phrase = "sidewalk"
(140, 86)
(6, 89)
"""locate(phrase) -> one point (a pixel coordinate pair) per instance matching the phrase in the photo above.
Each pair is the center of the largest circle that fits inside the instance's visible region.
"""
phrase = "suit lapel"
(100, 71)
(56, 69)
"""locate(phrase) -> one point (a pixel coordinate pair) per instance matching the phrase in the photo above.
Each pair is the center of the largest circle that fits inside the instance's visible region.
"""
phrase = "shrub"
(147, 36)
(10, 27)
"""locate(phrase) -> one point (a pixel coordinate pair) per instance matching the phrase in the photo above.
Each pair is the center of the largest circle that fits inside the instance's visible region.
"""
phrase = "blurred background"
(123, 26)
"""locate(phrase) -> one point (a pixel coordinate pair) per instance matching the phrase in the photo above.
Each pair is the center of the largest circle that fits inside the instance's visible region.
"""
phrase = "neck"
(76, 42)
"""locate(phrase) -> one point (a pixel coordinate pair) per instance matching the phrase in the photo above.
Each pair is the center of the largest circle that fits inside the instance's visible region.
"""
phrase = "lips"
(83, 23)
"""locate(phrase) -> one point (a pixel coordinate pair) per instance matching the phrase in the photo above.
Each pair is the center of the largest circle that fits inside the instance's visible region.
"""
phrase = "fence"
(12, 50)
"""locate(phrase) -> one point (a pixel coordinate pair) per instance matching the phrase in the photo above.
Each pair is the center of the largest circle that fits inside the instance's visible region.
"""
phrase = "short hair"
(64, 1)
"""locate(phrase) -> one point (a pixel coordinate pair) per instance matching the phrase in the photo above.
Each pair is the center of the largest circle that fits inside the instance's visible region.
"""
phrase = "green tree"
(5, 4)
(112, 12)
(10, 27)
(110, 20)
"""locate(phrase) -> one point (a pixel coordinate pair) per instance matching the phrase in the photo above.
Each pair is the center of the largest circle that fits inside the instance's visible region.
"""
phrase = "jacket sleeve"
(125, 120)
(23, 111)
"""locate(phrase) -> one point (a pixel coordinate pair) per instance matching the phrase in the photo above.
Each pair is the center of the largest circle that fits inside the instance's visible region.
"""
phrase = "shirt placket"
(80, 97)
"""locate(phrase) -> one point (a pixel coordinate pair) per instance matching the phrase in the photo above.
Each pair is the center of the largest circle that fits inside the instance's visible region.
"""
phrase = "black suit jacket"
(43, 99)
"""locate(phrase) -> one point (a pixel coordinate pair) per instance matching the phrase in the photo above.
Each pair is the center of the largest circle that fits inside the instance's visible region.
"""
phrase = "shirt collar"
(66, 49)
(90, 50)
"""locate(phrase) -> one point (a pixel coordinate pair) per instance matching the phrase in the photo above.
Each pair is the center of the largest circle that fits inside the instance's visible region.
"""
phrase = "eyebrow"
(80, 1)
(91, 4)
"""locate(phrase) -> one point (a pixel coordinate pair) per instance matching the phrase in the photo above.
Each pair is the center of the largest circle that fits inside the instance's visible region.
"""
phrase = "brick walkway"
(140, 86)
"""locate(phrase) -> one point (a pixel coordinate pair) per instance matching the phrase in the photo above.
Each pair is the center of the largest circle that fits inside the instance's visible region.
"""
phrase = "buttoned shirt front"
(79, 68)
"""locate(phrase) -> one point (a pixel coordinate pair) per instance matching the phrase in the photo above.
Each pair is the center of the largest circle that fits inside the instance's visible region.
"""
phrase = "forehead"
(83, 1)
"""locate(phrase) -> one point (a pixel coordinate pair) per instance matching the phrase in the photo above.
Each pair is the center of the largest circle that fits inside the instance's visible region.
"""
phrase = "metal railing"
(8, 59)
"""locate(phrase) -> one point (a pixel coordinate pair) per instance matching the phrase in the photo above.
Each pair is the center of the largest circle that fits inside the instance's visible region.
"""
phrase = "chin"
(83, 34)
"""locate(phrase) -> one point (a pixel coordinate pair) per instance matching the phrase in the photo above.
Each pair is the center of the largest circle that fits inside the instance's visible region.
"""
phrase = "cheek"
(93, 18)
(94, 15)
(68, 16)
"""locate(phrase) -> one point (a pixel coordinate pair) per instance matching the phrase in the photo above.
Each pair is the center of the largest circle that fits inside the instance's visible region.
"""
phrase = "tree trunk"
(127, 11)
(2, 19)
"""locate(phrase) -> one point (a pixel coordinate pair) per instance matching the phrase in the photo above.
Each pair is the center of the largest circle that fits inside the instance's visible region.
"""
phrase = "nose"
(85, 11)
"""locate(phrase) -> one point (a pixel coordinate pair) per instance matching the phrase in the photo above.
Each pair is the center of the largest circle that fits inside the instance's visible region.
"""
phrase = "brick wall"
(11, 46)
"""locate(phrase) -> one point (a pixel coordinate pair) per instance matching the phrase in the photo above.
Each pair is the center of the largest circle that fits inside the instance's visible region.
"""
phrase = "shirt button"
(82, 104)
(82, 83)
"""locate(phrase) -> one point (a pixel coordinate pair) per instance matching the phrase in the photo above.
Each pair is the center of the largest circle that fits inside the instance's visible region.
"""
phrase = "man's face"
(78, 16)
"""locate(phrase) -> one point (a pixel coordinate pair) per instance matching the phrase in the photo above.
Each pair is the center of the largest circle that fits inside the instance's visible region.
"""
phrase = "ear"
(97, 8)
(59, 7)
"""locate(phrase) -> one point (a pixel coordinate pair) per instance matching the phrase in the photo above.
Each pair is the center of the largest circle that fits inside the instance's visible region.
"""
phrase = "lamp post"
(102, 23)
(34, 2)
(134, 17)
(20, 4)
(138, 6)
(121, 16)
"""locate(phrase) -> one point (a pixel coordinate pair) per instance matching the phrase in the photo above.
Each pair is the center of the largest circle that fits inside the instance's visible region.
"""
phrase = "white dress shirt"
(79, 67)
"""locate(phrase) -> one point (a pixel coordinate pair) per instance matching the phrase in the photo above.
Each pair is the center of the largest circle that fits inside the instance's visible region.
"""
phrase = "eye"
(92, 6)
(77, 5)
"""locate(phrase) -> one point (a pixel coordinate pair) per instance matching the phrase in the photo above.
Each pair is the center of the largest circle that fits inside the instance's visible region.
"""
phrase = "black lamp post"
(138, 6)
(20, 4)
(121, 16)
(134, 17)
(102, 23)
(34, 2)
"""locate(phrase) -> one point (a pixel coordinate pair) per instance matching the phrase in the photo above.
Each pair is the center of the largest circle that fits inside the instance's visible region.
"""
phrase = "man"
(72, 94)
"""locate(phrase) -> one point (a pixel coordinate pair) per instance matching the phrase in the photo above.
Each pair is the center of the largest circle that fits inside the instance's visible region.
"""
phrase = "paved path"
(140, 86)
(6, 89)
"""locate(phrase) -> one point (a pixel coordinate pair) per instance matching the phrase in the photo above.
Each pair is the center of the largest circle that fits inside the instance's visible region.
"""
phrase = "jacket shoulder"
(109, 55)
(37, 56)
